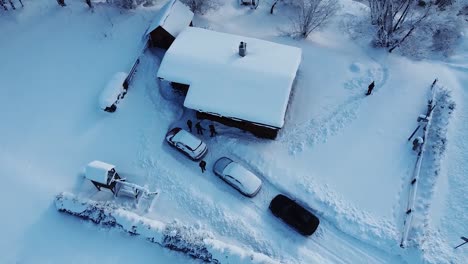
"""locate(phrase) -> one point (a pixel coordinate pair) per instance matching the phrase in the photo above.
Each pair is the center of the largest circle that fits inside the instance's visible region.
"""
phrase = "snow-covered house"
(173, 18)
(250, 92)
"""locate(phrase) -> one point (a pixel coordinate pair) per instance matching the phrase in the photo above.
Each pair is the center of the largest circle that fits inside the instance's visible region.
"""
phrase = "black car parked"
(295, 215)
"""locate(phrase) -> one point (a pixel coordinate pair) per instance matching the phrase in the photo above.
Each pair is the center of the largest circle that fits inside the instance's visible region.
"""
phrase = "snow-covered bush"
(396, 20)
(95, 212)
(310, 15)
(149, 2)
(176, 236)
(445, 38)
(444, 3)
(126, 4)
(188, 240)
(201, 6)
(415, 27)
(438, 35)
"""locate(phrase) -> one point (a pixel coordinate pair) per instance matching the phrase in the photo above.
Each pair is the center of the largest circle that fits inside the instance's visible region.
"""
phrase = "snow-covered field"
(341, 154)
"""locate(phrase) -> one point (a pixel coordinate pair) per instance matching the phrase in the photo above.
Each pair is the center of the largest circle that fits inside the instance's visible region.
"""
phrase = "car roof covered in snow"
(187, 139)
(97, 171)
(112, 90)
(174, 17)
(255, 88)
(249, 180)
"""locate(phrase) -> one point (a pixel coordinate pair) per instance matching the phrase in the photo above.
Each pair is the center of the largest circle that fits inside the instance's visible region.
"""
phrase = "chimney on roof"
(242, 49)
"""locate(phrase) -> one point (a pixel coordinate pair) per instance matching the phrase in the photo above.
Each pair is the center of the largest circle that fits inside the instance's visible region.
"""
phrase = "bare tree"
(444, 3)
(273, 6)
(310, 15)
(12, 5)
(2, 4)
(396, 20)
(149, 2)
(201, 6)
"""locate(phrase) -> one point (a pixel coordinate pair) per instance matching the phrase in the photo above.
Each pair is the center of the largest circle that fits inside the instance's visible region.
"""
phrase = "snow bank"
(176, 236)
(113, 90)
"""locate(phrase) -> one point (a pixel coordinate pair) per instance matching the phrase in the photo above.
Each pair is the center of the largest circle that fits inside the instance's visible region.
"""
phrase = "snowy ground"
(341, 154)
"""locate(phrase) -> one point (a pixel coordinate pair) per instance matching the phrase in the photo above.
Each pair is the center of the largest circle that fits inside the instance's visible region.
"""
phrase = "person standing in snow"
(61, 2)
(212, 131)
(199, 128)
(370, 88)
(417, 143)
(189, 124)
(202, 166)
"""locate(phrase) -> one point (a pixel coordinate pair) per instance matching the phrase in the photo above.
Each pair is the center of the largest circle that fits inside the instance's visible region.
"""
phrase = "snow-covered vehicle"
(104, 175)
(186, 143)
(294, 215)
(115, 90)
(237, 176)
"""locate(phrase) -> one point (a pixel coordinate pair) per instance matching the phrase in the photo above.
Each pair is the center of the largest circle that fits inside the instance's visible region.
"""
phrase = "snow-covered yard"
(341, 154)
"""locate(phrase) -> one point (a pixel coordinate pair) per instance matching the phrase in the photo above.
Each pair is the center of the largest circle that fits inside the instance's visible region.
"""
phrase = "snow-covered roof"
(113, 89)
(174, 17)
(255, 88)
(97, 171)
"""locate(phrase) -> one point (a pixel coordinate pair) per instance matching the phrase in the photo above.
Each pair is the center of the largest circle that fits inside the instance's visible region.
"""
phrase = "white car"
(187, 143)
(115, 90)
(237, 176)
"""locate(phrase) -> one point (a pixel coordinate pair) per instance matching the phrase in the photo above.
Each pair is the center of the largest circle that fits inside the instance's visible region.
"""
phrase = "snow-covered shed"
(98, 171)
(250, 92)
(173, 18)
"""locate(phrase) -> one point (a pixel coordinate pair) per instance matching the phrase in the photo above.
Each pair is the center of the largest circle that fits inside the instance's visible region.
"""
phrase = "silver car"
(186, 143)
(237, 176)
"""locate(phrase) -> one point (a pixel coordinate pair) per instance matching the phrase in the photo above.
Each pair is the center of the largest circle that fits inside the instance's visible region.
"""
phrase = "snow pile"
(175, 236)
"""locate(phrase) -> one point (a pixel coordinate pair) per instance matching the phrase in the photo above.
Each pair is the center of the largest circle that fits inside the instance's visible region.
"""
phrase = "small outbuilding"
(235, 80)
(172, 19)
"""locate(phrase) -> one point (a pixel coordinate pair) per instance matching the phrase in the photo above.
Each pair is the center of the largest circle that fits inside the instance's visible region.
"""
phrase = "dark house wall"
(256, 129)
(160, 38)
(180, 87)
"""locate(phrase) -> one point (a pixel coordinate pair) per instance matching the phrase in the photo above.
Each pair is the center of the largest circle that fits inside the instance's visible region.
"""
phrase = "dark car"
(294, 215)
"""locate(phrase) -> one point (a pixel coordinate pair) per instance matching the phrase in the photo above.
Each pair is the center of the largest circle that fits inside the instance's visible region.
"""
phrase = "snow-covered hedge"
(175, 235)
(420, 234)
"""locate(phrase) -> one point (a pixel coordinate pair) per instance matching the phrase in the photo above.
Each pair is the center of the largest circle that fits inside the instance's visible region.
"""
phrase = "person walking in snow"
(370, 88)
(212, 131)
(199, 128)
(202, 166)
(189, 124)
(61, 2)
